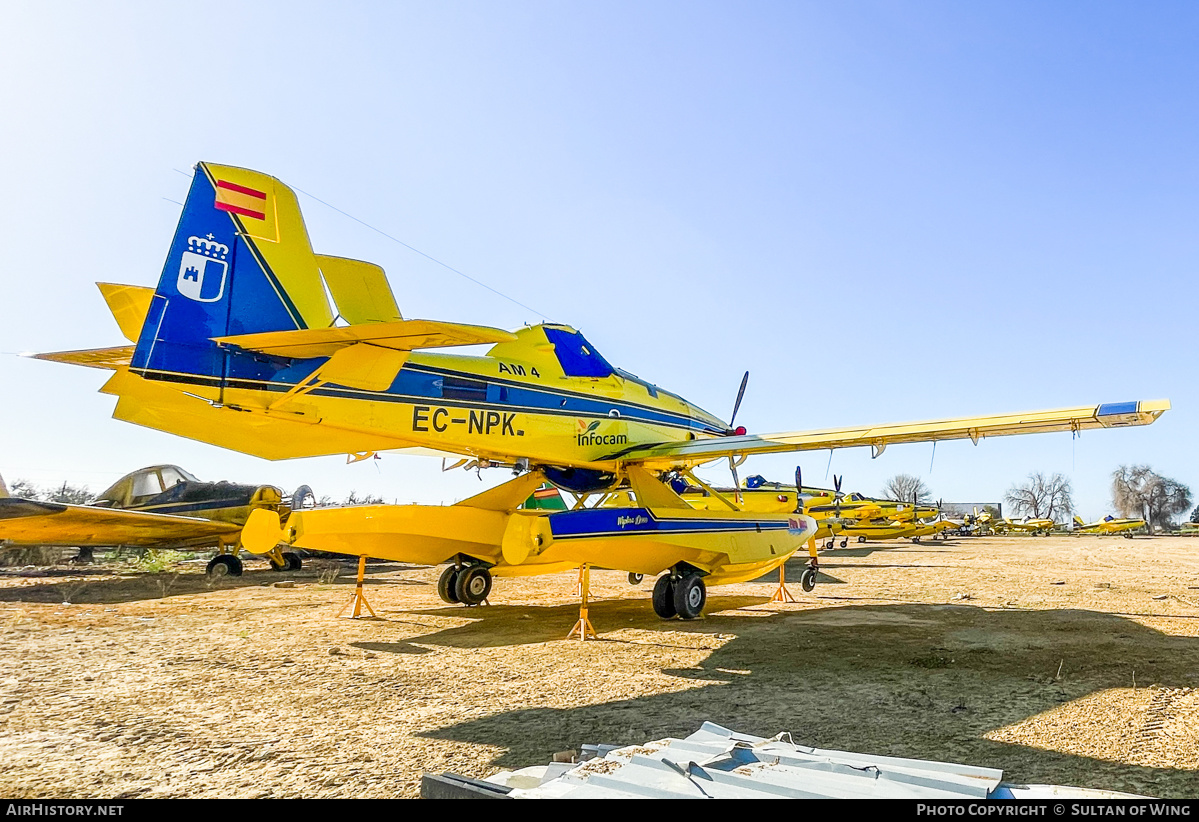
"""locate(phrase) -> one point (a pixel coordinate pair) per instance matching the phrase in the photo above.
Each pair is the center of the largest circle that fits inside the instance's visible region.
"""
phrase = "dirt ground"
(1063, 660)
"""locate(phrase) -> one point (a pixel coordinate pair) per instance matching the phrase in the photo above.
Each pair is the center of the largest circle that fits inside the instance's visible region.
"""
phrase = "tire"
(473, 585)
(635, 579)
(445, 585)
(224, 565)
(690, 596)
(664, 597)
(807, 579)
(861, 539)
(294, 563)
(845, 542)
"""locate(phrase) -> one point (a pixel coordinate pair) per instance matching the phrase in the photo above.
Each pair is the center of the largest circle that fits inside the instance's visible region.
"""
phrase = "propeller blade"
(798, 490)
(740, 395)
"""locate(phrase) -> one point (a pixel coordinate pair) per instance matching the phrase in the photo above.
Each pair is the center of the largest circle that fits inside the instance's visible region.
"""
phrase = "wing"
(31, 522)
(878, 437)
(398, 335)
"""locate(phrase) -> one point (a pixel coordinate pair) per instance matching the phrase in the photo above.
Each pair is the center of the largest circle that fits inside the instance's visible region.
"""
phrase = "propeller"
(798, 490)
(737, 407)
(737, 432)
(837, 495)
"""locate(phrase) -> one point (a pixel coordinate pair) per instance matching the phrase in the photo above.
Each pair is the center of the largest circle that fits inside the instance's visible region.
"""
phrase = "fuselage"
(546, 397)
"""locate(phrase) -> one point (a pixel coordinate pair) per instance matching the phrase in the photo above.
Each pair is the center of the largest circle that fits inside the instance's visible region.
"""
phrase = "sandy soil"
(1067, 660)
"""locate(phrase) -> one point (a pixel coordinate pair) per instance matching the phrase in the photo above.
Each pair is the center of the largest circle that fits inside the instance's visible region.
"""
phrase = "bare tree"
(1139, 491)
(904, 486)
(25, 490)
(1041, 497)
(70, 494)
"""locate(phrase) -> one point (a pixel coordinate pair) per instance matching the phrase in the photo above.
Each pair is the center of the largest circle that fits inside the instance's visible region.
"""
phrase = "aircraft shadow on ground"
(139, 586)
(497, 626)
(922, 681)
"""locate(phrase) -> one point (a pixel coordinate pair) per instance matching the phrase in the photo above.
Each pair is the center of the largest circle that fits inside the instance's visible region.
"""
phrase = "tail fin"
(240, 263)
(4, 490)
(1078, 520)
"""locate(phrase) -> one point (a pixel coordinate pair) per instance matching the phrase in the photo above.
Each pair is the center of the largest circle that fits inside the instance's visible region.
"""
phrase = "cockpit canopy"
(143, 484)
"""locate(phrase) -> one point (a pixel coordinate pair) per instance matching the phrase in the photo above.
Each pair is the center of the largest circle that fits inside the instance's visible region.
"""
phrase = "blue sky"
(884, 211)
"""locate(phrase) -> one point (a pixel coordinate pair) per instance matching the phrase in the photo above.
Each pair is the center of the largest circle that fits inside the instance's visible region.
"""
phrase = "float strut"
(583, 629)
(359, 598)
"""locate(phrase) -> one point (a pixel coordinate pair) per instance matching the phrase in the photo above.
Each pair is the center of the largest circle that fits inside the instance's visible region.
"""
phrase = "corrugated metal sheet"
(717, 763)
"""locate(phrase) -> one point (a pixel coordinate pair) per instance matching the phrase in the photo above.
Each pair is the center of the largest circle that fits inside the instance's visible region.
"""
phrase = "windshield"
(576, 355)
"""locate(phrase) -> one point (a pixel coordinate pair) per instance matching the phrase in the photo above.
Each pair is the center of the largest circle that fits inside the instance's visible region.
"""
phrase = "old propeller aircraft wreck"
(161, 506)
(239, 346)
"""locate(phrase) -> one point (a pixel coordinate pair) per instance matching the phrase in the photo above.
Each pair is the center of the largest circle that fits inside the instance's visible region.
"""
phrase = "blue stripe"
(601, 522)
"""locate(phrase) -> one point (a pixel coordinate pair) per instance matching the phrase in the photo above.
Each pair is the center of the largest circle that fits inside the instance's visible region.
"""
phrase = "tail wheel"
(690, 595)
(445, 585)
(224, 565)
(635, 579)
(473, 585)
(664, 597)
(861, 539)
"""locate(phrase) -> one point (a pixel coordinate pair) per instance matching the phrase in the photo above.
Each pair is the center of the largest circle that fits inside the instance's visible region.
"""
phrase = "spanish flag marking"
(247, 202)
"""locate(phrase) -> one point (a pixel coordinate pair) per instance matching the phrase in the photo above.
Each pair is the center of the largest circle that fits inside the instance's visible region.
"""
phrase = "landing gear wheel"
(294, 563)
(445, 585)
(807, 579)
(916, 539)
(635, 579)
(690, 595)
(845, 542)
(473, 585)
(828, 545)
(861, 539)
(1127, 535)
(664, 597)
(224, 565)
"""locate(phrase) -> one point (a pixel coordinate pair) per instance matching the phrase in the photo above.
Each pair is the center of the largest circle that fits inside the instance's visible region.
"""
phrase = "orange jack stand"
(583, 629)
(781, 594)
(359, 598)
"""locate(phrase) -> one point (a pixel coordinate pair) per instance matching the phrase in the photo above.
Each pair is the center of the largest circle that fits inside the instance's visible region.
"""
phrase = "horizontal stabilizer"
(129, 305)
(110, 358)
(360, 290)
(401, 335)
(1109, 415)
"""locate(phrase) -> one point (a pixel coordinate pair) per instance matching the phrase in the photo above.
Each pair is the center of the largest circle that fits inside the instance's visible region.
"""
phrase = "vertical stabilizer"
(3, 489)
(240, 263)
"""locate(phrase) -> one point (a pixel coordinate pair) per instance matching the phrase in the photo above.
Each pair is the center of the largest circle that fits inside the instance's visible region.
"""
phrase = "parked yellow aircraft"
(1109, 525)
(162, 506)
(239, 346)
(1028, 525)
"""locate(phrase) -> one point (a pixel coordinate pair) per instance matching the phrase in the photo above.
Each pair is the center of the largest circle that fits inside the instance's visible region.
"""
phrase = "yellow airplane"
(1028, 525)
(161, 506)
(253, 342)
(1109, 525)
